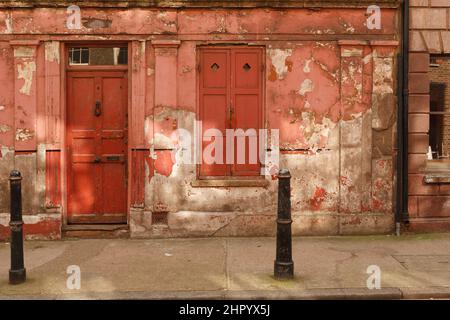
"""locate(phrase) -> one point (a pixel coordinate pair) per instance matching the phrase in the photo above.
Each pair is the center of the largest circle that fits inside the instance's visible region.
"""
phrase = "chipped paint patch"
(52, 51)
(24, 52)
(315, 135)
(279, 61)
(383, 75)
(2, 108)
(307, 68)
(4, 151)
(25, 72)
(4, 128)
(162, 141)
(24, 134)
(368, 58)
(186, 69)
(352, 53)
(9, 23)
(306, 86)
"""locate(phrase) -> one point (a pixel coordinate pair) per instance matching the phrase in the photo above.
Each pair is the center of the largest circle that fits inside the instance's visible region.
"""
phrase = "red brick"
(422, 225)
(418, 3)
(434, 206)
(416, 186)
(412, 206)
(419, 103)
(426, 18)
(419, 62)
(444, 189)
(419, 83)
(440, 3)
(418, 143)
(416, 162)
(419, 123)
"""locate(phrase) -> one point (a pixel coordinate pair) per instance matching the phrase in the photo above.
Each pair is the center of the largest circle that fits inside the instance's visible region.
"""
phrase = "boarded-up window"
(230, 97)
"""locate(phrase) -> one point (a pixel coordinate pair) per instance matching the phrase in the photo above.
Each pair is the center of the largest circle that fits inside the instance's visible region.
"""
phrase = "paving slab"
(412, 267)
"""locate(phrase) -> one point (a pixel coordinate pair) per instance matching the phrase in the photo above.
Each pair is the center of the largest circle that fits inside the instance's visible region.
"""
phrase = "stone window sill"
(230, 183)
(437, 171)
(433, 178)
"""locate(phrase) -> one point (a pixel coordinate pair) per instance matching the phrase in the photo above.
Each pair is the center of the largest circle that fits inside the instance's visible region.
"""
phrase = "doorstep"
(95, 231)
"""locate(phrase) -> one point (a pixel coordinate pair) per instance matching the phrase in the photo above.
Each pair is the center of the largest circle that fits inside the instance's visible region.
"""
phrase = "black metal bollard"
(17, 273)
(284, 266)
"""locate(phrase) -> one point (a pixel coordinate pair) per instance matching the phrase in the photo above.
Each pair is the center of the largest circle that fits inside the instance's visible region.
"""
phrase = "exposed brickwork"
(440, 73)
(429, 34)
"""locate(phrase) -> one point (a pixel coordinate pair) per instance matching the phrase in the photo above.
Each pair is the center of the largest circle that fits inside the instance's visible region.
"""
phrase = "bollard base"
(284, 270)
(17, 276)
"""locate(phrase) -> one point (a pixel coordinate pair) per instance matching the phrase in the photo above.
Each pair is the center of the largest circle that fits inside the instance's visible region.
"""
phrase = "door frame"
(65, 68)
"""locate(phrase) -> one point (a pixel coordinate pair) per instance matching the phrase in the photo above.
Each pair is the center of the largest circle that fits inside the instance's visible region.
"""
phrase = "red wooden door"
(96, 147)
(230, 97)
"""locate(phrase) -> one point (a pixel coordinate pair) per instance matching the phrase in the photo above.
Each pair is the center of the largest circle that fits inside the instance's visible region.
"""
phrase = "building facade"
(94, 98)
(429, 104)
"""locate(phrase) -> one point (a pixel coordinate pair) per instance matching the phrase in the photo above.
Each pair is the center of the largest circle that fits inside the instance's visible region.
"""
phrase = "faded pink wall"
(329, 88)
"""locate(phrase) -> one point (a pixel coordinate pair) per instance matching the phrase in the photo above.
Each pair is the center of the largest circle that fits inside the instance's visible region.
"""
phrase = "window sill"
(434, 178)
(437, 171)
(230, 183)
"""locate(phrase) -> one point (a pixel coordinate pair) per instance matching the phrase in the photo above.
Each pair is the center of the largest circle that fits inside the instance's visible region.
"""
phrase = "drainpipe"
(401, 212)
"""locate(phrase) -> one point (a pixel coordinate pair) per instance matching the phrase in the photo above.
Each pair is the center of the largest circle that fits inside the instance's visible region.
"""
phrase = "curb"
(311, 294)
(426, 293)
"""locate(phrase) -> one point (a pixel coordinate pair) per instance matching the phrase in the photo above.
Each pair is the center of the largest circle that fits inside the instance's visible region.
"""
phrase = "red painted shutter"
(214, 97)
(246, 95)
(230, 97)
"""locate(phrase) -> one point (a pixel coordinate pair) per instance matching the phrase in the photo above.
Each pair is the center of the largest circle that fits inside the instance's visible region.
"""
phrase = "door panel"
(96, 147)
(246, 100)
(214, 97)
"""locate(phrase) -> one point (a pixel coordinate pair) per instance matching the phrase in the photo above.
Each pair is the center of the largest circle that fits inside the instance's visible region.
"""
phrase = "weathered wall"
(429, 34)
(329, 88)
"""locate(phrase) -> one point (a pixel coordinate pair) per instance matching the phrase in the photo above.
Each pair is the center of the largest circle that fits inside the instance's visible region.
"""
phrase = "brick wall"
(429, 204)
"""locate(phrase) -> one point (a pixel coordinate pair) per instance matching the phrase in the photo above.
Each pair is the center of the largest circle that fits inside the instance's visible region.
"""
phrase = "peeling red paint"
(4, 233)
(315, 86)
(164, 163)
(318, 198)
(44, 229)
(150, 166)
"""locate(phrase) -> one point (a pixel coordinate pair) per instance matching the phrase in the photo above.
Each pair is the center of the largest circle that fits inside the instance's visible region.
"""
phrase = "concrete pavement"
(233, 268)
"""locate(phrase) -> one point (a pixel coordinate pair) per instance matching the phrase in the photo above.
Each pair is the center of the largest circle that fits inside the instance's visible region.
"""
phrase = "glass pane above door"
(98, 56)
